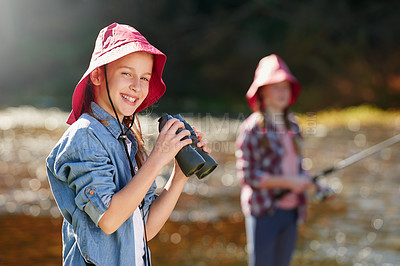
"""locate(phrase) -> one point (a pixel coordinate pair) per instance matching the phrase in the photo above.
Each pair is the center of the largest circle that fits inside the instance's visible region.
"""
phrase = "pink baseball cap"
(271, 69)
(113, 43)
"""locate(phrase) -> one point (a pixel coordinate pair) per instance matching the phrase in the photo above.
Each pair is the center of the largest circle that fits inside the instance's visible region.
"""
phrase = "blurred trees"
(343, 52)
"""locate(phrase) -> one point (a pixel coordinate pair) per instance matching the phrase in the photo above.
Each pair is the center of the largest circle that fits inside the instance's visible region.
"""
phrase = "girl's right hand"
(300, 184)
(289, 201)
(168, 143)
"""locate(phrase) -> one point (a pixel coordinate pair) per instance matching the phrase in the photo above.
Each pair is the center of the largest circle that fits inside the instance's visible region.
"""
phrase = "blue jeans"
(271, 239)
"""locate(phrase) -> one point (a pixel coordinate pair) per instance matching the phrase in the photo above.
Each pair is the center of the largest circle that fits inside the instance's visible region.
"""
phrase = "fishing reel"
(324, 193)
(191, 159)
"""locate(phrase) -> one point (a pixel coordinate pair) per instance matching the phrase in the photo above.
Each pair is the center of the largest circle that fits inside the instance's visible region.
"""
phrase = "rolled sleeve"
(94, 207)
(89, 173)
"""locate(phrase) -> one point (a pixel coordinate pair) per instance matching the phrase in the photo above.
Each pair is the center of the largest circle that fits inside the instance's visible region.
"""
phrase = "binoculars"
(191, 159)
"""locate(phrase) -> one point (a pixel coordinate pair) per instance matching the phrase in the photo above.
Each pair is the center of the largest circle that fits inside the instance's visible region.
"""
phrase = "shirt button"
(91, 192)
(136, 168)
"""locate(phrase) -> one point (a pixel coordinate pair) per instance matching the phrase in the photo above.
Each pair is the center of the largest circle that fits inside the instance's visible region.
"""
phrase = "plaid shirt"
(255, 160)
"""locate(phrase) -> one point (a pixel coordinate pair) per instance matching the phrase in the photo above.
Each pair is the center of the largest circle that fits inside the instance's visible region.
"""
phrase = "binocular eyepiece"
(191, 159)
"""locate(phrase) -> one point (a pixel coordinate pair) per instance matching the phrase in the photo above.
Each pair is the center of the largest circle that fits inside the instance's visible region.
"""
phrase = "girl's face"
(276, 96)
(128, 81)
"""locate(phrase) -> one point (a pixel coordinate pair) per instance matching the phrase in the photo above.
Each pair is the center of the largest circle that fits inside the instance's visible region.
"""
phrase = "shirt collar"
(109, 122)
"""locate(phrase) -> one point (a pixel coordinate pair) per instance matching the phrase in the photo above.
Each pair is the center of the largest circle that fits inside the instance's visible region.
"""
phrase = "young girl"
(100, 175)
(269, 161)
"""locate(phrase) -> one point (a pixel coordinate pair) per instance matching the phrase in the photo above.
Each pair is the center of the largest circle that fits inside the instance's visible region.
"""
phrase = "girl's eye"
(126, 74)
(145, 79)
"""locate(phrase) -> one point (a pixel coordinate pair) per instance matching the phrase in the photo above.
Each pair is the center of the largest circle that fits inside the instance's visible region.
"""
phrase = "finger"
(168, 124)
(206, 149)
(182, 143)
(199, 134)
(175, 126)
(185, 142)
(182, 134)
(202, 143)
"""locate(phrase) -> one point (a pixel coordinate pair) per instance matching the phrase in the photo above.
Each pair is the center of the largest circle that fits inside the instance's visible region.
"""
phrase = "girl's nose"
(135, 84)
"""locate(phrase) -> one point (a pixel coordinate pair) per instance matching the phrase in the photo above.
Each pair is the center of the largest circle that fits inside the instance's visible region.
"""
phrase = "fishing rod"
(347, 162)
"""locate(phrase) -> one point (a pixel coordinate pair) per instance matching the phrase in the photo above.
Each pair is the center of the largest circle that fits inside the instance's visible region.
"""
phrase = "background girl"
(269, 161)
(99, 172)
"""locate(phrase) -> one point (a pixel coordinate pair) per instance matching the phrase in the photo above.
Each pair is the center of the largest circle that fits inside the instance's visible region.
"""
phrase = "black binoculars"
(191, 159)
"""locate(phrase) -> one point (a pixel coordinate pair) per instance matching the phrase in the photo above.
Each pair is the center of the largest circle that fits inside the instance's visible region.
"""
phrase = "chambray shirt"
(85, 169)
(255, 160)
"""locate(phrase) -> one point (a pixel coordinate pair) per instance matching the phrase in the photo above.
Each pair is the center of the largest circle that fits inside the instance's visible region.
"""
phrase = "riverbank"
(360, 227)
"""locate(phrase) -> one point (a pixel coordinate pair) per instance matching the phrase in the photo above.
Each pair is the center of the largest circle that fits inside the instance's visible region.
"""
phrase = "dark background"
(344, 52)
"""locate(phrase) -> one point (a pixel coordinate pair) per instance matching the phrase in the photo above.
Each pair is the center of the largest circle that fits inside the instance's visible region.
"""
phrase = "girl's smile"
(128, 82)
(129, 99)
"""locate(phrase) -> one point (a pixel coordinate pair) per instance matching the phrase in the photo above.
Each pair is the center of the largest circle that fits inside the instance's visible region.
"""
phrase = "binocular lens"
(191, 159)
(209, 166)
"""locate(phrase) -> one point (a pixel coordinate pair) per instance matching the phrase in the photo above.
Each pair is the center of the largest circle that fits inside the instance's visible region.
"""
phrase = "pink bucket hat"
(271, 69)
(114, 42)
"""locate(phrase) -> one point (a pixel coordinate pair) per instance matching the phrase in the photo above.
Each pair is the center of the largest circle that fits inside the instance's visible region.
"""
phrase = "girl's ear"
(96, 77)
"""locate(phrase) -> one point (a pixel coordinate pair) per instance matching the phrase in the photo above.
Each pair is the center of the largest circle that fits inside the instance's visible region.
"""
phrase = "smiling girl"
(100, 174)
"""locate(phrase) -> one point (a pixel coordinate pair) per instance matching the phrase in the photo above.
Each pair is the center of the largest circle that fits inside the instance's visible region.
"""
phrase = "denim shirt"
(85, 169)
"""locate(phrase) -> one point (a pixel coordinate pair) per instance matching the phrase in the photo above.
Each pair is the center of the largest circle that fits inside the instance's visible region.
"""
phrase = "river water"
(360, 226)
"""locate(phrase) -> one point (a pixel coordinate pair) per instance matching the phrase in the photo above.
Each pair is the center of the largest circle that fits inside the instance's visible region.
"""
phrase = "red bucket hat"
(271, 69)
(114, 42)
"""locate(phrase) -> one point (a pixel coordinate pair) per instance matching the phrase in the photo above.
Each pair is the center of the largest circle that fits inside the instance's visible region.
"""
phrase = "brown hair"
(262, 123)
(141, 153)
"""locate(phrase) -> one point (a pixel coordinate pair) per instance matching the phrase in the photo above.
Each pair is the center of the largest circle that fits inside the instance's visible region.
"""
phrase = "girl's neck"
(275, 116)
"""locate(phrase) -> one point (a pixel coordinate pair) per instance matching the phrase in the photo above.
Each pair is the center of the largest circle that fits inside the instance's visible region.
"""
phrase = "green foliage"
(343, 52)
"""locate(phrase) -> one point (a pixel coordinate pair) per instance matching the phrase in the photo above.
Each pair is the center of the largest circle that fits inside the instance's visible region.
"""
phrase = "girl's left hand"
(289, 201)
(202, 141)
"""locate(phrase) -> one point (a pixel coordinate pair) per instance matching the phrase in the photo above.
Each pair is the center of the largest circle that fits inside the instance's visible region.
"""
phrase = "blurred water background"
(361, 226)
(344, 53)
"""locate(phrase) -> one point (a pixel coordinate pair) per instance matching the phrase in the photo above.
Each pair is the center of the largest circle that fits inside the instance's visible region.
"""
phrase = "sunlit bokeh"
(344, 53)
(352, 228)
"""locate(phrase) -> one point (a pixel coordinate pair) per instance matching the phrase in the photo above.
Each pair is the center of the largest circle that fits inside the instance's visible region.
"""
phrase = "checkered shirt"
(255, 160)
